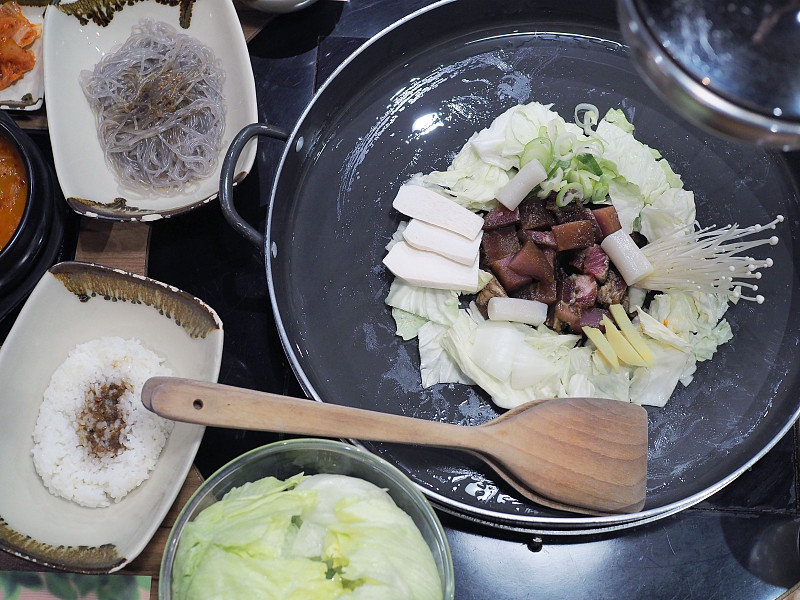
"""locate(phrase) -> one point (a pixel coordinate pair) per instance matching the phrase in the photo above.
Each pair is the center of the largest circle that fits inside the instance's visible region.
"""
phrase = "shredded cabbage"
(312, 538)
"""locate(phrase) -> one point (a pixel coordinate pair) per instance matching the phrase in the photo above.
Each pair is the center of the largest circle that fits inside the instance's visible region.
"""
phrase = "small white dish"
(88, 184)
(74, 303)
(28, 92)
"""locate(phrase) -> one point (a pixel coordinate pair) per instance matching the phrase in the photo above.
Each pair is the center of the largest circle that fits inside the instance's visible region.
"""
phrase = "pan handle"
(226, 178)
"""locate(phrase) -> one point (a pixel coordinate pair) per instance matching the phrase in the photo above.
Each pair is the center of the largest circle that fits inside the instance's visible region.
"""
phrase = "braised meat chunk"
(613, 290)
(499, 243)
(500, 217)
(533, 214)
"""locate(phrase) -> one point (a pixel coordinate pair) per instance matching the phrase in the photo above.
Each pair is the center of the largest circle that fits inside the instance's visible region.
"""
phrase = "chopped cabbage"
(628, 201)
(695, 317)
(654, 385)
(316, 538)
(407, 324)
(439, 306)
(671, 210)
(435, 364)
(616, 117)
(634, 161)
(482, 167)
(459, 340)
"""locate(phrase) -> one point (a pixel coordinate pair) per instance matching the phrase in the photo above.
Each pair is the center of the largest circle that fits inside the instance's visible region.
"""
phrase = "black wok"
(405, 103)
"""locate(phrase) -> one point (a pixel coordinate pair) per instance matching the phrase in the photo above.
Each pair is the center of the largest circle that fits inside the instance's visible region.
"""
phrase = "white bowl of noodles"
(129, 153)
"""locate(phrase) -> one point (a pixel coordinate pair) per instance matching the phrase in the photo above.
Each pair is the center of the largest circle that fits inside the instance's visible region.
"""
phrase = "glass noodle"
(159, 108)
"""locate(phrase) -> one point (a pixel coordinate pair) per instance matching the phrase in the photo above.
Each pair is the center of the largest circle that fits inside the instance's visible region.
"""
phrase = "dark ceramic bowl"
(26, 247)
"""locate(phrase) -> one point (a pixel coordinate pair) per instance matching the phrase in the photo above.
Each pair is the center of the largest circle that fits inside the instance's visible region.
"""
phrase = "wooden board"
(111, 244)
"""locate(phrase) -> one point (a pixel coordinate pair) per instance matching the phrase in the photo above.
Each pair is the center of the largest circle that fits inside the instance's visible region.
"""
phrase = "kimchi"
(17, 35)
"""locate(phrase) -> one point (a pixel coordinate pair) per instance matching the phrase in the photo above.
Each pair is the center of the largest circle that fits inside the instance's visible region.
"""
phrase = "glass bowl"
(313, 456)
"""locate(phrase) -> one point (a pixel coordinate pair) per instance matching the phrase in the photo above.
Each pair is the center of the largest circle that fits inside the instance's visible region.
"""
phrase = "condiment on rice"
(94, 441)
(101, 419)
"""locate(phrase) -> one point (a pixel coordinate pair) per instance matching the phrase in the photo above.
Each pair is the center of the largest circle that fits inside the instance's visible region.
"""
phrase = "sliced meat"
(526, 292)
(585, 290)
(545, 292)
(541, 291)
(540, 238)
(564, 317)
(552, 256)
(607, 219)
(565, 287)
(493, 289)
(592, 261)
(508, 277)
(576, 259)
(549, 253)
(573, 235)
(593, 317)
(574, 211)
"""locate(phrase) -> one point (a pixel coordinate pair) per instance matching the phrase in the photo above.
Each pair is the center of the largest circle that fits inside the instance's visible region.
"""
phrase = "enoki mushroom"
(708, 260)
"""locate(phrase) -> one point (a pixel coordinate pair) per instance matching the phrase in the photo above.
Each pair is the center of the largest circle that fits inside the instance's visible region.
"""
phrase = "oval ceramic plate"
(74, 303)
(88, 184)
(28, 92)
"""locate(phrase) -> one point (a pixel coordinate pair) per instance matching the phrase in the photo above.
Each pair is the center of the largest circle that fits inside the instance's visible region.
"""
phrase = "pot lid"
(732, 66)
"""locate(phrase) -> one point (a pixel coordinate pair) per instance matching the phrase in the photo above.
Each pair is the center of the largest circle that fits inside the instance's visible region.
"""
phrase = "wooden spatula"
(585, 455)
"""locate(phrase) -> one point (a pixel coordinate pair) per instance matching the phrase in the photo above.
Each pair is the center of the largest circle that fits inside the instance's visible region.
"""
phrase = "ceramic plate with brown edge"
(72, 304)
(89, 185)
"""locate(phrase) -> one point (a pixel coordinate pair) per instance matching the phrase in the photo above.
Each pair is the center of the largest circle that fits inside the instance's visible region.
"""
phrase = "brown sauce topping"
(102, 420)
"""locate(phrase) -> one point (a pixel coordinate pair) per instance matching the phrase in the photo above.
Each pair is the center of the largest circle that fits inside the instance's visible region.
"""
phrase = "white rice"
(67, 459)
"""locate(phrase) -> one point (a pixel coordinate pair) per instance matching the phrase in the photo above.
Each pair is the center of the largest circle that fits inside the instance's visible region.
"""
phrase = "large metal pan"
(404, 103)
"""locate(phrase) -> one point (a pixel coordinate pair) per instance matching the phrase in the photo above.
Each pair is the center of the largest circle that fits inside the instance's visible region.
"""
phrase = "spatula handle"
(225, 406)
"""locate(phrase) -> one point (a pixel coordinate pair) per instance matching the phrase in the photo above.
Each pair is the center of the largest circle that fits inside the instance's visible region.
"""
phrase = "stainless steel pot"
(729, 66)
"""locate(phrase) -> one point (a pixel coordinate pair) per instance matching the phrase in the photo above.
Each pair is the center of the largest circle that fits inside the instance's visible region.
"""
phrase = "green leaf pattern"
(73, 586)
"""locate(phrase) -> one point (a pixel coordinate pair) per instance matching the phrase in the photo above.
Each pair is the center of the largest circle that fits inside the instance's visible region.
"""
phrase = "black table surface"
(741, 543)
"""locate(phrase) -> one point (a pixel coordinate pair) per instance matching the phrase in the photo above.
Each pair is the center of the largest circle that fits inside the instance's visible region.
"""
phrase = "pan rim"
(537, 524)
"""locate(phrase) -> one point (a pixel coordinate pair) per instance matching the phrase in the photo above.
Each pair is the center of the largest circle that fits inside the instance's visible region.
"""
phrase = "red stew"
(13, 190)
